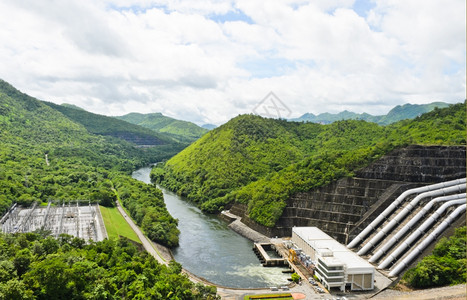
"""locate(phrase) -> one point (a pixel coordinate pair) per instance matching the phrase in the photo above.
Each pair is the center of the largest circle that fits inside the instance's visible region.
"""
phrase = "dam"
(344, 208)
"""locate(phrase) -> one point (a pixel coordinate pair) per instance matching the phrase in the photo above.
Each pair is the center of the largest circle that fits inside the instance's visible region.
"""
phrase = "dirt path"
(456, 292)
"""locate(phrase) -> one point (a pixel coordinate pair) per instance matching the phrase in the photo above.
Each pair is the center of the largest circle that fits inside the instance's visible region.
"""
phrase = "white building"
(336, 265)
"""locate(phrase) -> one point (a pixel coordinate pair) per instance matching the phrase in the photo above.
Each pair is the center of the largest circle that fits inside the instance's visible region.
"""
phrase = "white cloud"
(190, 60)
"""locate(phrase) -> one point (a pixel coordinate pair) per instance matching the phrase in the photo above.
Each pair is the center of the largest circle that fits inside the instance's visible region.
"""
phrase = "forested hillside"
(159, 146)
(180, 130)
(46, 156)
(398, 113)
(261, 162)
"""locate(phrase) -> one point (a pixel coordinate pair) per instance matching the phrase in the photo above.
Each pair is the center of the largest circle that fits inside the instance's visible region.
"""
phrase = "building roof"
(319, 241)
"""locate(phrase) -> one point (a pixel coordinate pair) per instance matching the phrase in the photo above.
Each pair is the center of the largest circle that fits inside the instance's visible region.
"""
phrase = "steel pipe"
(401, 215)
(427, 241)
(365, 232)
(419, 232)
(411, 224)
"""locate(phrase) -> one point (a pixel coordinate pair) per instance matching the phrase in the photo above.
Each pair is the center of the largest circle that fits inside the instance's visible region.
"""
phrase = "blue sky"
(362, 7)
(207, 61)
(231, 16)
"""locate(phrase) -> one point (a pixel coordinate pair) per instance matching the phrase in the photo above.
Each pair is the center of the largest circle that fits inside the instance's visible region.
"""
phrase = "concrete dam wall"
(343, 208)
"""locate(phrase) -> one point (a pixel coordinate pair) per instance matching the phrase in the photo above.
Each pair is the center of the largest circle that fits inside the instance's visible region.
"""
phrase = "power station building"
(335, 265)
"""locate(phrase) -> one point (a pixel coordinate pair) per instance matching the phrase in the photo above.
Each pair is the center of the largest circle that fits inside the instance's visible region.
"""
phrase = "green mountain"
(46, 155)
(409, 111)
(72, 106)
(159, 146)
(398, 113)
(108, 126)
(180, 130)
(261, 162)
(328, 118)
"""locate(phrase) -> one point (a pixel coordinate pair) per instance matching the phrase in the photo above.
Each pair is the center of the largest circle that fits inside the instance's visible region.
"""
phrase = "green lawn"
(116, 225)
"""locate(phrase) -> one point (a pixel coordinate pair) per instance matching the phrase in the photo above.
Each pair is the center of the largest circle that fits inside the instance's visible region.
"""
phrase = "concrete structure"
(336, 265)
(345, 207)
(262, 251)
(80, 219)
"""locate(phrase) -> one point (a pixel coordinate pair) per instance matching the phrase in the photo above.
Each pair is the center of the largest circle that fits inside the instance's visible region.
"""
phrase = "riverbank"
(236, 225)
(230, 293)
(194, 227)
(242, 229)
(226, 293)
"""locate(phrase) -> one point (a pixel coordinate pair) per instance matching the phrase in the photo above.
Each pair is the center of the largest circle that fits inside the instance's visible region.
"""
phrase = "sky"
(207, 61)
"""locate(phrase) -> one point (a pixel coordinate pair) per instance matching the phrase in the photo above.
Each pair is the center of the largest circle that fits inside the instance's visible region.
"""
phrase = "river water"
(210, 249)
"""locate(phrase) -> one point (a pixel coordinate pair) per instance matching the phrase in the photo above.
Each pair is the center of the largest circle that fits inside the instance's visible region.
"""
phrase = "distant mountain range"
(398, 113)
(155, 128)
(182, 131)
(209, 126)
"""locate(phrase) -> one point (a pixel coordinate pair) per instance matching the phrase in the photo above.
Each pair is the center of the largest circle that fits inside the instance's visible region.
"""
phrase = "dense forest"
(47, 156)
(261, 162)
(36, 267)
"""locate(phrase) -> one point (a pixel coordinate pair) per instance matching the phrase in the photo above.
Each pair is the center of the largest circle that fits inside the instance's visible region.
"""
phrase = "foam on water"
(270, 276)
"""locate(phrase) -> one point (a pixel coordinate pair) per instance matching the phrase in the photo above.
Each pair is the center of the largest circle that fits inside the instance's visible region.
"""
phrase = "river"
(210, 249)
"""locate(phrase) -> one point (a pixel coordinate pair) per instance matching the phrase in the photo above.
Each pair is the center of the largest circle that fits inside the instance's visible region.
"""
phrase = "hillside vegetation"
(44, 155)
(447, 265)
(180, 130)
(398, 113)
(157, 145)
(262, 162)
(36, 267)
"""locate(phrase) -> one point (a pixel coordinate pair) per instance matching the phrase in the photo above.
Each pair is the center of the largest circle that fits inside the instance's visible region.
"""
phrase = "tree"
(105, 197)
(447, 264)
(50, 245)
(175, 267)
(295, 277)
(50, 277)
(7, 270)
(22, 260)
(15, 289)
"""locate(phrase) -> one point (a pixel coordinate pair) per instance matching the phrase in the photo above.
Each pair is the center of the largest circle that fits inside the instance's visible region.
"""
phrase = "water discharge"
(209, 249)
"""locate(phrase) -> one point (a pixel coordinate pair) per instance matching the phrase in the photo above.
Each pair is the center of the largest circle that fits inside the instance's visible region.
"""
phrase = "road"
(146, 243)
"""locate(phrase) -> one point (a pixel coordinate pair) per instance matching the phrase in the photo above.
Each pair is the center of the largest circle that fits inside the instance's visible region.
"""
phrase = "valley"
(273, 174)
(233, 150)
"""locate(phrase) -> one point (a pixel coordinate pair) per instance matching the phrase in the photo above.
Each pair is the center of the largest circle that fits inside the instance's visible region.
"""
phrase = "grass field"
(116, 225)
